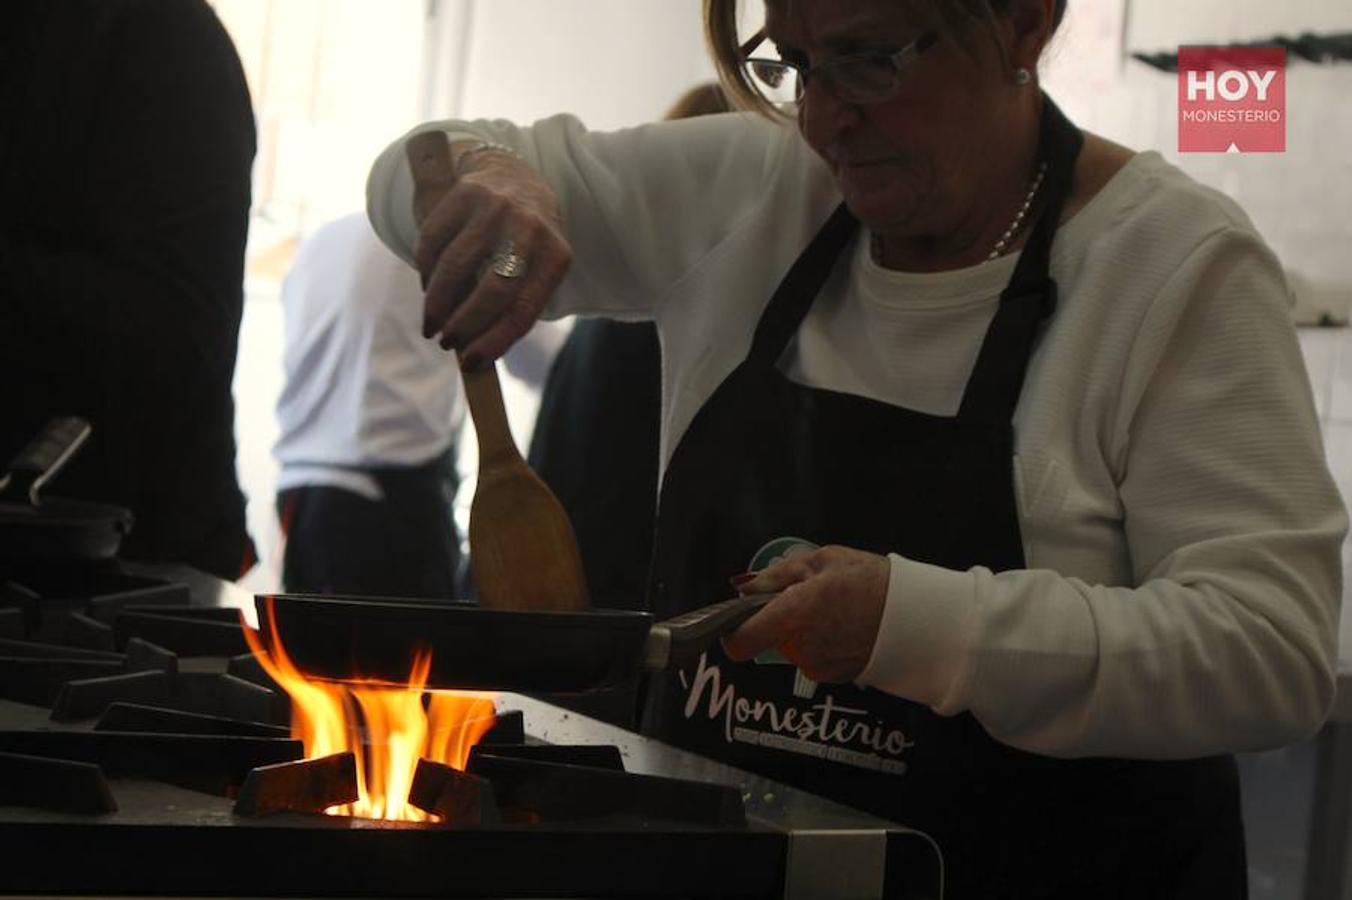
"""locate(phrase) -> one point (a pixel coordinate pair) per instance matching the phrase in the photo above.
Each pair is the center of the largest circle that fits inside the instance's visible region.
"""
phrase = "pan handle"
(680, 641)
(44, 456)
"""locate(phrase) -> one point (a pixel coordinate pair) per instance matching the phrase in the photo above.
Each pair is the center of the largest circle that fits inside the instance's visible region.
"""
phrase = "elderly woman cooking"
(1012, 417)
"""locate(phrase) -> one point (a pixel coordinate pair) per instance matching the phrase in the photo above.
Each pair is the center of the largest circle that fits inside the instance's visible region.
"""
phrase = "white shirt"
(1180, 527)
(364, 389)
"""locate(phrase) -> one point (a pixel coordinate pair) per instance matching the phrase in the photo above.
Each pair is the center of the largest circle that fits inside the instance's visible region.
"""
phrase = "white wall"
(613, 63)
(1299, 200)
(1328, 355)
(331, 81)
(1160, 24)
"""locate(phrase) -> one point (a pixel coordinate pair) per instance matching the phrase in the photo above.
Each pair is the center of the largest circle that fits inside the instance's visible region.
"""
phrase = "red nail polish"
(739, 580)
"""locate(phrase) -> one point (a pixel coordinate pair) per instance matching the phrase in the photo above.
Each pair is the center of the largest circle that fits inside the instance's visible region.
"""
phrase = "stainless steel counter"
(834, 851)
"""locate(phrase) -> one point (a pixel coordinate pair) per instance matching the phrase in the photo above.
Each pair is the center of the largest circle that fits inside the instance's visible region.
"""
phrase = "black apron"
(767, 462)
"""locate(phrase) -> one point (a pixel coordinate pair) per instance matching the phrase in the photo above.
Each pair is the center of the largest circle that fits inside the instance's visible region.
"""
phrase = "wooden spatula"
(523, 552)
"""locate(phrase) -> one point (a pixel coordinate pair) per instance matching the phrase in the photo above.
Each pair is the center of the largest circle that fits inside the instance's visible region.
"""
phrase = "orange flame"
(385, 727)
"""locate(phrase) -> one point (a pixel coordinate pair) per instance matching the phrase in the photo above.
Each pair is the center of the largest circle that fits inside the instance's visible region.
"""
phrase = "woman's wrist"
(466, 152)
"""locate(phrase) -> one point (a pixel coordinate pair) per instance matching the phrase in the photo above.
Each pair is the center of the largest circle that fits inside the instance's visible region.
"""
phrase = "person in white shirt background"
(369, 420)
(1014, 419)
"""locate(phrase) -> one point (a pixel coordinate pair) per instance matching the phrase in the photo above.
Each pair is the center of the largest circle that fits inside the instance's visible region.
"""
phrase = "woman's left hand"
(825, 619)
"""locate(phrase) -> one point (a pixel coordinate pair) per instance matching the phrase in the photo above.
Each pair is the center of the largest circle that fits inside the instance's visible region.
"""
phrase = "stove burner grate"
(133, 718)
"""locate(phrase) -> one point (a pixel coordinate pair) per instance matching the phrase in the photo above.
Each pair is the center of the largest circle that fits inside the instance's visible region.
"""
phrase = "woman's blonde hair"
(960, 19)
(701, 100)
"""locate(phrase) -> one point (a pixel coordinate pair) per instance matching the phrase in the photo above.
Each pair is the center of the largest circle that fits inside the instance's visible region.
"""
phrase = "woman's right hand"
(496, 204)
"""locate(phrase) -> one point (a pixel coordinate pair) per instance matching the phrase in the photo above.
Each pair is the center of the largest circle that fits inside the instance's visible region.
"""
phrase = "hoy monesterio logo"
(1231, 99)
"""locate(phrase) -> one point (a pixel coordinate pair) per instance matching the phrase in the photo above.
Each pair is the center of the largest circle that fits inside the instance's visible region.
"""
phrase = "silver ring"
(507, 262)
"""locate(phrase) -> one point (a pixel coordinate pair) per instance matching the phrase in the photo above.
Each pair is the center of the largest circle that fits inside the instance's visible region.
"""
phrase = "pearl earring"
(1022, 76)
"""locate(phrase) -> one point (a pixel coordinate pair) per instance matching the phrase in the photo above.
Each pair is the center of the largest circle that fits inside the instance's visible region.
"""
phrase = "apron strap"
(799, 288)
(992, 391)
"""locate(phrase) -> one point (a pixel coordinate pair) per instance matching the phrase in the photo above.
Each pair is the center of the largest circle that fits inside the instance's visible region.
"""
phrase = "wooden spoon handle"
(429, 159)
(483, 394)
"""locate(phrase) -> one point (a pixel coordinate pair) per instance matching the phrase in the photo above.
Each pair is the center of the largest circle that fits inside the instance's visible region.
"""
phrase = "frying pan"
(34, 528)
(342, 638)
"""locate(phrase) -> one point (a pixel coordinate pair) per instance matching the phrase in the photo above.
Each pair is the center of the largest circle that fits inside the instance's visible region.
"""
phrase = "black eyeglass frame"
(899, 60)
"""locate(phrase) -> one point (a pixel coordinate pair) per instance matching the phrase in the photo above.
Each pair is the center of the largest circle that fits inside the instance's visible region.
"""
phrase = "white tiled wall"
(1328, 355)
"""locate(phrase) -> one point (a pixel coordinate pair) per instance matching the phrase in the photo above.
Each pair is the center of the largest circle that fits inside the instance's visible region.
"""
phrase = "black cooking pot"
(39, 529)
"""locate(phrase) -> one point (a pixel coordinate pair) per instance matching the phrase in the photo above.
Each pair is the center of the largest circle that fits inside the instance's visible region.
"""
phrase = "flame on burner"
(386, 727)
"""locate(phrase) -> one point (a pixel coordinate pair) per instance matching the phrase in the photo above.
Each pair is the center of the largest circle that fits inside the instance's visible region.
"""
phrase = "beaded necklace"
(876, 242)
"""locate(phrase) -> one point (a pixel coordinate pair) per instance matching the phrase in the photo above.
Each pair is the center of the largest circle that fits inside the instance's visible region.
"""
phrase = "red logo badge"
(1231, 99)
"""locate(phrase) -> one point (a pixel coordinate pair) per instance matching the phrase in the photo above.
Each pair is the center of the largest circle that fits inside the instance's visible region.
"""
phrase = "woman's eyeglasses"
(858, 78)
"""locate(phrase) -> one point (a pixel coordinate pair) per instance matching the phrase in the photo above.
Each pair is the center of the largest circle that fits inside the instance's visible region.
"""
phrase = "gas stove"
(144, 752)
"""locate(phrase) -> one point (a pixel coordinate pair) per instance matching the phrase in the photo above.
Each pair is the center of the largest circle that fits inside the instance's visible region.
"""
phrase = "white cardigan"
(1180, 525)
